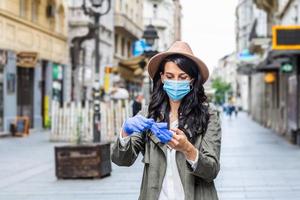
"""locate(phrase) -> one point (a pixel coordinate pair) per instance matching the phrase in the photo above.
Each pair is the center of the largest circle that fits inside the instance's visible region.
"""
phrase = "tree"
(222, 88)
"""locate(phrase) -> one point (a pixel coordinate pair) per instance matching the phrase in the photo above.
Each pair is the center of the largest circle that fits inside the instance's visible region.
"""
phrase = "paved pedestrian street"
(256, 164)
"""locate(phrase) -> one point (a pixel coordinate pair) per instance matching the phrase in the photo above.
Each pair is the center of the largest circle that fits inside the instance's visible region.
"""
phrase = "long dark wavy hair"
(193, 109)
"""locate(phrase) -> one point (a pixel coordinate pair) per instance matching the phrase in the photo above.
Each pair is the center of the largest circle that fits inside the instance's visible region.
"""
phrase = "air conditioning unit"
(50, 12)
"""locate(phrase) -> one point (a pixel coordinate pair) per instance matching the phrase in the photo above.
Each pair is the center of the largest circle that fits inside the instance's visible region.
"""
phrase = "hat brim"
(155, 61)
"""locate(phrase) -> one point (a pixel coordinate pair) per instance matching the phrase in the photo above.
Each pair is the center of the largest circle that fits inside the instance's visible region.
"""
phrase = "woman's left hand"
(180, 142)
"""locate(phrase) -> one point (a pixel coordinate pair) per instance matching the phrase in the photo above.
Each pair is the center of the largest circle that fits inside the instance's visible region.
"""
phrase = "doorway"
(25, 93)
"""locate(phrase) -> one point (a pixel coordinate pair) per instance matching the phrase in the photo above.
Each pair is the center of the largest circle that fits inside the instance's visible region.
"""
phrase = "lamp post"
(96, 12)
(150, 35)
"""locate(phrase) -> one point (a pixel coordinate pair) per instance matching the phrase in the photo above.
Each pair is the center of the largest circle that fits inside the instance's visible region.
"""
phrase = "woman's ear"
(192, 81)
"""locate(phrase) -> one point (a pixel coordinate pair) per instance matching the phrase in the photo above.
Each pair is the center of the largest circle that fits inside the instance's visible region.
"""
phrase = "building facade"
(84, 74)
(34, 60)
(250, 29)
(273, 74)
(128, 28)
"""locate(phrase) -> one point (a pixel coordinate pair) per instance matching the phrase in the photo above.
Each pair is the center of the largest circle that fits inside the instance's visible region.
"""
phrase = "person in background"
(236, 111)
(137, 104)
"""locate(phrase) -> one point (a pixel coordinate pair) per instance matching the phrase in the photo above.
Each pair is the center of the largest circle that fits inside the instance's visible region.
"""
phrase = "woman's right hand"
(137, 124)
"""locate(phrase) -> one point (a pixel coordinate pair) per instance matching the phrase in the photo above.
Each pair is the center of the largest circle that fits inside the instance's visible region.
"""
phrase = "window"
(116, 43)
(121, 5)
(155, 10)
(126, 9)
(35, 10)
(23, 8)
(128, 49)
(50, 13)
(108, 34)
(123, 47)
(61, 19)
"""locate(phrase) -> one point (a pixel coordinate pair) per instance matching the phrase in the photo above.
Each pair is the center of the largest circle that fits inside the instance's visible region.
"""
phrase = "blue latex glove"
(161, 131)
(137, 124)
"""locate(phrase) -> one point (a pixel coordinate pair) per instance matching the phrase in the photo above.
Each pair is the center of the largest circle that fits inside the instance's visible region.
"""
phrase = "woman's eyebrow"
(182, 74)
(169, 73)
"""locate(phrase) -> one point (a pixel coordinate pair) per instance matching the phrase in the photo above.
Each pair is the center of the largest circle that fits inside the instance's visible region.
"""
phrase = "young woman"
(179, 136)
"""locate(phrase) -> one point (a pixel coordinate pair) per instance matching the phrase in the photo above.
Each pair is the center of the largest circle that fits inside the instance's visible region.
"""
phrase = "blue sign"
(245, 55)
(139, 47)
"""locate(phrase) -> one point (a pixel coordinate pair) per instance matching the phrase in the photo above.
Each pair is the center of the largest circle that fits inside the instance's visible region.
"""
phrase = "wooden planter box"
(83, 161)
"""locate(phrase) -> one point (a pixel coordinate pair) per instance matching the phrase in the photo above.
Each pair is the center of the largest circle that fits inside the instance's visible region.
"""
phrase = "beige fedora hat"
(181, 48)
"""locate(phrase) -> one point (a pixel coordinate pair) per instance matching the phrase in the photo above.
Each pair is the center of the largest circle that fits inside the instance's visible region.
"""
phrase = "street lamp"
(96, 13)
(97, 3)
(150, 34)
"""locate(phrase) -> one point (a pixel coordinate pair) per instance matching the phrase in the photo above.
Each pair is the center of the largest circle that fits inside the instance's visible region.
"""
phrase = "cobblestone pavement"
(255, 164)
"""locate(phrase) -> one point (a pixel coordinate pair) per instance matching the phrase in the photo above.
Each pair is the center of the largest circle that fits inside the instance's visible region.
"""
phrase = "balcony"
(125, 24)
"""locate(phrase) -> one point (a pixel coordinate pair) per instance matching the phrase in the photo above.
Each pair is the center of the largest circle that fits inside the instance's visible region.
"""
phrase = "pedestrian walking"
(236, 111)
(179, 135)
(230, 110)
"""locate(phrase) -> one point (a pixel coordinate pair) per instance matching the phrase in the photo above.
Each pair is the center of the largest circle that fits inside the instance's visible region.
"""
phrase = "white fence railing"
(74, 123)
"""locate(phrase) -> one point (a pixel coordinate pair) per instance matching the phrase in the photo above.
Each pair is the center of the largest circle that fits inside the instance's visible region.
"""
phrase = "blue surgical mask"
(176, 90)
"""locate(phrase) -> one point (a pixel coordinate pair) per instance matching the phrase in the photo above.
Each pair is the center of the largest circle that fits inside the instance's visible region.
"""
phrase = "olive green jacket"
(198, 184)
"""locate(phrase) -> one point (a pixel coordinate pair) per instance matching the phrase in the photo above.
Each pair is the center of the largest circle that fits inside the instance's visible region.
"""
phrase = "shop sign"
(139, 47)
(57, 72)
(286, 37)
(246, 56)
(27, 59)
(287, 67)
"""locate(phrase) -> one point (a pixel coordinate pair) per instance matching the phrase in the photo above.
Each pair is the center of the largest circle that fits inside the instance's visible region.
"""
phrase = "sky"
(209, 28)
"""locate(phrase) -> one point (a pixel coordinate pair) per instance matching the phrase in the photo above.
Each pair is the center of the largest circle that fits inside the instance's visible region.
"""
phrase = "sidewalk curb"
(4, 135)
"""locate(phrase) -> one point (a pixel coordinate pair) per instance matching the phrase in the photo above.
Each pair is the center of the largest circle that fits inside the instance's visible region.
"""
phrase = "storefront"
(286, 51)
(27, 87)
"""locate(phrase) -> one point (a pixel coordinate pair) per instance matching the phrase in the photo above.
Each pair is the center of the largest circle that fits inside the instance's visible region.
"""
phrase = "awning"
(268, 67)
(284, 53)
(132, 69)
(275, 59)
(133, 62)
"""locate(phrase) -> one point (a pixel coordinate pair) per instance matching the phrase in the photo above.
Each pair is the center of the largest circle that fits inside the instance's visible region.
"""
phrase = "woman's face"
(173, 72)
